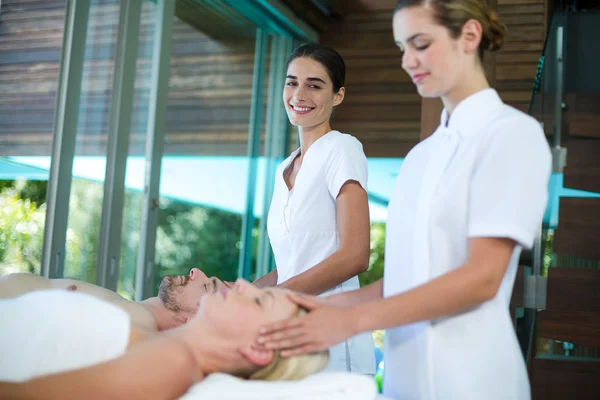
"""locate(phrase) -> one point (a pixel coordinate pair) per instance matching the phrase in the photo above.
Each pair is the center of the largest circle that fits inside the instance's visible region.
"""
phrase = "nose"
(240, 285)
(299, 95)
(243, 286)
(409, 61)
(195, 273)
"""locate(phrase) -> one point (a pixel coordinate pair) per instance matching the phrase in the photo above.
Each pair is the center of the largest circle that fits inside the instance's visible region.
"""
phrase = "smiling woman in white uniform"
(467, 200)
(318, 223)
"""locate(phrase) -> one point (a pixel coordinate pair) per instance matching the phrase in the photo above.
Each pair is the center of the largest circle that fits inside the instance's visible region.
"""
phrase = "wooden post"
(431, 110)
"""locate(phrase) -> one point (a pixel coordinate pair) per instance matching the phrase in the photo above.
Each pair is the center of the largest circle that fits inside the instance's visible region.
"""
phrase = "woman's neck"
(212, 352)
(310, 135)
(471, 83)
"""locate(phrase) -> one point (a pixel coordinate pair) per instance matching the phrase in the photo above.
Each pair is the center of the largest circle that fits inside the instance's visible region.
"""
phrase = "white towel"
(321, 386)
(52, 331)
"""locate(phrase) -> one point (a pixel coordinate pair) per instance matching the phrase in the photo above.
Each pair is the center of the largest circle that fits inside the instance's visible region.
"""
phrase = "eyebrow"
(311, 79)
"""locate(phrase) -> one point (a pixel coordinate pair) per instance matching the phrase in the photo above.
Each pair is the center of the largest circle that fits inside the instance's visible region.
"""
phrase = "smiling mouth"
(301, 110)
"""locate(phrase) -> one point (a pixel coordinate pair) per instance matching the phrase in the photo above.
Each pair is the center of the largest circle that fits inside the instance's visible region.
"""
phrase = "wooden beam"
(578, 226)
(431, 110)
(578, 327)
(558, 378)
(573, 289)
(489, 59)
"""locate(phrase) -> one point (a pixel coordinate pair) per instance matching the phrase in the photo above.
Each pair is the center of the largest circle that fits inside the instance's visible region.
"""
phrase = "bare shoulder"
(85, 287)
(14, 285)
(139, 314)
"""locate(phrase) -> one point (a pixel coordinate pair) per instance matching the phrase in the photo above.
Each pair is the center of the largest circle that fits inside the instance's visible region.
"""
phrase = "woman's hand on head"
(324, 326)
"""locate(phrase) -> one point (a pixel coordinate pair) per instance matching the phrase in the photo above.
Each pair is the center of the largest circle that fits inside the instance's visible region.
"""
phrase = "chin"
(295, 121)
(428, 92)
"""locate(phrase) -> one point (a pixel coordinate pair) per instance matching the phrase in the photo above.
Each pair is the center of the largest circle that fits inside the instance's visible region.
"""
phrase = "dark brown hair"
(326, 56)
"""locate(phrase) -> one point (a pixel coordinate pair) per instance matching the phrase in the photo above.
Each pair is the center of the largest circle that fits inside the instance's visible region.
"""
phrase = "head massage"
(218, 327)
(231, 317)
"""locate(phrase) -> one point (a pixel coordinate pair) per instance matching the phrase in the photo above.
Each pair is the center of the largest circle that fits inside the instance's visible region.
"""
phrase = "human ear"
(257, 355)
(339, 96)
(471, 36)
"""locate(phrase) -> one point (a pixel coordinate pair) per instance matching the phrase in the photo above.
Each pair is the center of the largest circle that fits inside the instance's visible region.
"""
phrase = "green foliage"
(190, 236)
(83, 230)
(376, 260)
(378, 337)
(21, 231)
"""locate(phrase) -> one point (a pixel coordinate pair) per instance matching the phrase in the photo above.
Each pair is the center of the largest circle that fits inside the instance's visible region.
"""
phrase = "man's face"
(183, 293)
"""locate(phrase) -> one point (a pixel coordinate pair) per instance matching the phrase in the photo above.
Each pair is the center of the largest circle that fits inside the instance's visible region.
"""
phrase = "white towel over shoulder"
(321, 386)
(52, 331)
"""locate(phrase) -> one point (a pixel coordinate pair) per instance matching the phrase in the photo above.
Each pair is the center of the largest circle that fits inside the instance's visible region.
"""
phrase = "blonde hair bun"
(495, 34)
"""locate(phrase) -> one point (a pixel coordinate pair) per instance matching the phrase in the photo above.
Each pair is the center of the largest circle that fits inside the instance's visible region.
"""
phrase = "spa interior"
(141, 138)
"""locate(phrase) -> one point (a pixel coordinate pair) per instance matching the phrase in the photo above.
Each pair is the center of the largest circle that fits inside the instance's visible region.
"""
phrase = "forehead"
(283, 305)
(303, 67)
(410, 21)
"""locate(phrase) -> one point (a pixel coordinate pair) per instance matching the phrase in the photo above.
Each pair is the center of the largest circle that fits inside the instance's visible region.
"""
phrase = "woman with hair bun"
(467, 200)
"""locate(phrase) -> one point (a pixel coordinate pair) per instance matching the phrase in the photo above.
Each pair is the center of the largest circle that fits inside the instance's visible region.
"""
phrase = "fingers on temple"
(304, 349)
(287, 344)
(281, 336)
(281, 326)
(303, 300)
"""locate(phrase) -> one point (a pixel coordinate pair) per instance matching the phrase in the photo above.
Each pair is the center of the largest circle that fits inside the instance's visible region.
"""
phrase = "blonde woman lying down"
(125, 362)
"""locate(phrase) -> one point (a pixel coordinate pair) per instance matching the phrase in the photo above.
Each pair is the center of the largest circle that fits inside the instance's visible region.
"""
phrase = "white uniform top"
(485, 175)
(51, 331)
(302, 226)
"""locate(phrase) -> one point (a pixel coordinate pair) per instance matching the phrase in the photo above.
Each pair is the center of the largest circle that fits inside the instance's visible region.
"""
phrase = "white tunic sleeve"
(509, 187)
(347, 162)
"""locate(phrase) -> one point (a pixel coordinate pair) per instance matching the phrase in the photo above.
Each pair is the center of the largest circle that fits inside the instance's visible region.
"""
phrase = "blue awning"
(220, 182)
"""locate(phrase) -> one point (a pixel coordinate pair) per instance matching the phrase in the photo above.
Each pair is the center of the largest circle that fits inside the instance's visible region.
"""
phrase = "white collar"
(472, 112)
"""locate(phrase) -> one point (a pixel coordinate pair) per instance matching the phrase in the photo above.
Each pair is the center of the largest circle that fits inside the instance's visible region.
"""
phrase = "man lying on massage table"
(90, 349)
(177, 301)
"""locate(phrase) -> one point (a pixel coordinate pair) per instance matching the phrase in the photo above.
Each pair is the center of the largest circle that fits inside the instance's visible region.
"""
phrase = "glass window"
(136, 160)
(30, 48)
(87, 187)
(204, 167)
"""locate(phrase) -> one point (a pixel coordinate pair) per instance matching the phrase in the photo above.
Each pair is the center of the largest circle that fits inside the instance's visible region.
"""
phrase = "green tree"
(377, 257)
(21, 230)
(191, 236)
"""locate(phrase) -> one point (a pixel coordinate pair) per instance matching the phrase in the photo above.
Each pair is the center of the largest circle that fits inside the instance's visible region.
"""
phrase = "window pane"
(136, 160)
(204, 168)
(85, 204)
(30, 47)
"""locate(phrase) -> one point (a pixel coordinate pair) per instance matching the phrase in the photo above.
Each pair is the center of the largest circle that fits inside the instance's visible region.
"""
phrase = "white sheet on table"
(52, 331)
(321, 386)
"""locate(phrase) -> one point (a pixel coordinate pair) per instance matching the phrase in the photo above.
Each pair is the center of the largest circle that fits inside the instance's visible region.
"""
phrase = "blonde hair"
(453, 14)
(293, 368)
